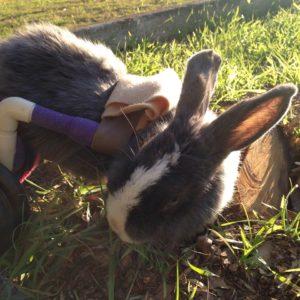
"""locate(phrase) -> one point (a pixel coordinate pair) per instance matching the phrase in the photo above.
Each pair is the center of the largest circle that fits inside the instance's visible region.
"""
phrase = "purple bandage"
(78, 129)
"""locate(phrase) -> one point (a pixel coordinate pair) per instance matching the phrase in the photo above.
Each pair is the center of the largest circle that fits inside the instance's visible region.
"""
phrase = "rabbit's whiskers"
(132, 127)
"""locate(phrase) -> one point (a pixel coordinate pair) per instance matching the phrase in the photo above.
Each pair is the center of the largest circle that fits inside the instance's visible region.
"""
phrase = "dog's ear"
(198, 84)
(248, 120)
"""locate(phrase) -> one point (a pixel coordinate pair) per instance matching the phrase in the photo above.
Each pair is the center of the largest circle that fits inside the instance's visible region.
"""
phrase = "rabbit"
(49, 65)
(182, 173)
(174, 176)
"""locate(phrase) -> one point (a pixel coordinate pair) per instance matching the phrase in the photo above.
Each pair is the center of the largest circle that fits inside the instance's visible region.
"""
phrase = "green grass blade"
(224, 240)
(200, 271)
(177, 281)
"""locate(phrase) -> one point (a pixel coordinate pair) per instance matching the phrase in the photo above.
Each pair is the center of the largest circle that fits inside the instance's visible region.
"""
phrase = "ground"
(66, 250)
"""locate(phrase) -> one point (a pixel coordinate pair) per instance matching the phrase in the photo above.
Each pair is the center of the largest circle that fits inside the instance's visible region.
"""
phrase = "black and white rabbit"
(183, 172)
(173, 177)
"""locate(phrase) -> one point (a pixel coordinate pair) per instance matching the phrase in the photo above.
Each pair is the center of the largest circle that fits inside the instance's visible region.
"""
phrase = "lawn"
(66, 250)
(75, 13)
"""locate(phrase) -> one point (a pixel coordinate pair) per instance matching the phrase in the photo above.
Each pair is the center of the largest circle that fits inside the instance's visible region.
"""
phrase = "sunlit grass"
(75, 13)
(256, 54)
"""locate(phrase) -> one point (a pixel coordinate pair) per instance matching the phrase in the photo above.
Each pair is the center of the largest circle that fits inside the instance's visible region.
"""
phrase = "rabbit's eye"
(174, 200)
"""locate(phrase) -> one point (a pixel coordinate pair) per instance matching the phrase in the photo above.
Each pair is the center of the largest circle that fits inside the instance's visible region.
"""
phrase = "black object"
(14, 208)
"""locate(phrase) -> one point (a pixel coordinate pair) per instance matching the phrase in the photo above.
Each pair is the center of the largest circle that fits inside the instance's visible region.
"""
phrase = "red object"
(29, 171)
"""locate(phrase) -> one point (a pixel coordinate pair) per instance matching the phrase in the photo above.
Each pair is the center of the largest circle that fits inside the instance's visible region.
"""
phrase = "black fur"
(50, 66)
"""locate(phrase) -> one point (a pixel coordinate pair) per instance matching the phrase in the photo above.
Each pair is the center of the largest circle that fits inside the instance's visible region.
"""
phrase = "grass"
(66, 250)
(75, 13)
(256, 54)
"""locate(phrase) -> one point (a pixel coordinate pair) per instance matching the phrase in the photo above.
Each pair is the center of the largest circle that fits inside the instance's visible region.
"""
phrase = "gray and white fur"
(173, 177)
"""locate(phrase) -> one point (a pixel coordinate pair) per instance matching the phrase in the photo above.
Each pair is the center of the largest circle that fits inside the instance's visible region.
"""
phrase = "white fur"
(209, 117)
(231, 166)
(120, 202)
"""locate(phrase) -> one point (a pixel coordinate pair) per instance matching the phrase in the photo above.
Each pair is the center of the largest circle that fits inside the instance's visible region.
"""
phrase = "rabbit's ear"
(198, 83)
(248, 120)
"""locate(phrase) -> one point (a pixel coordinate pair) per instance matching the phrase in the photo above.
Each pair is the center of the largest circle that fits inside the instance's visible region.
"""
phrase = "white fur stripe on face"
(119, 203)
